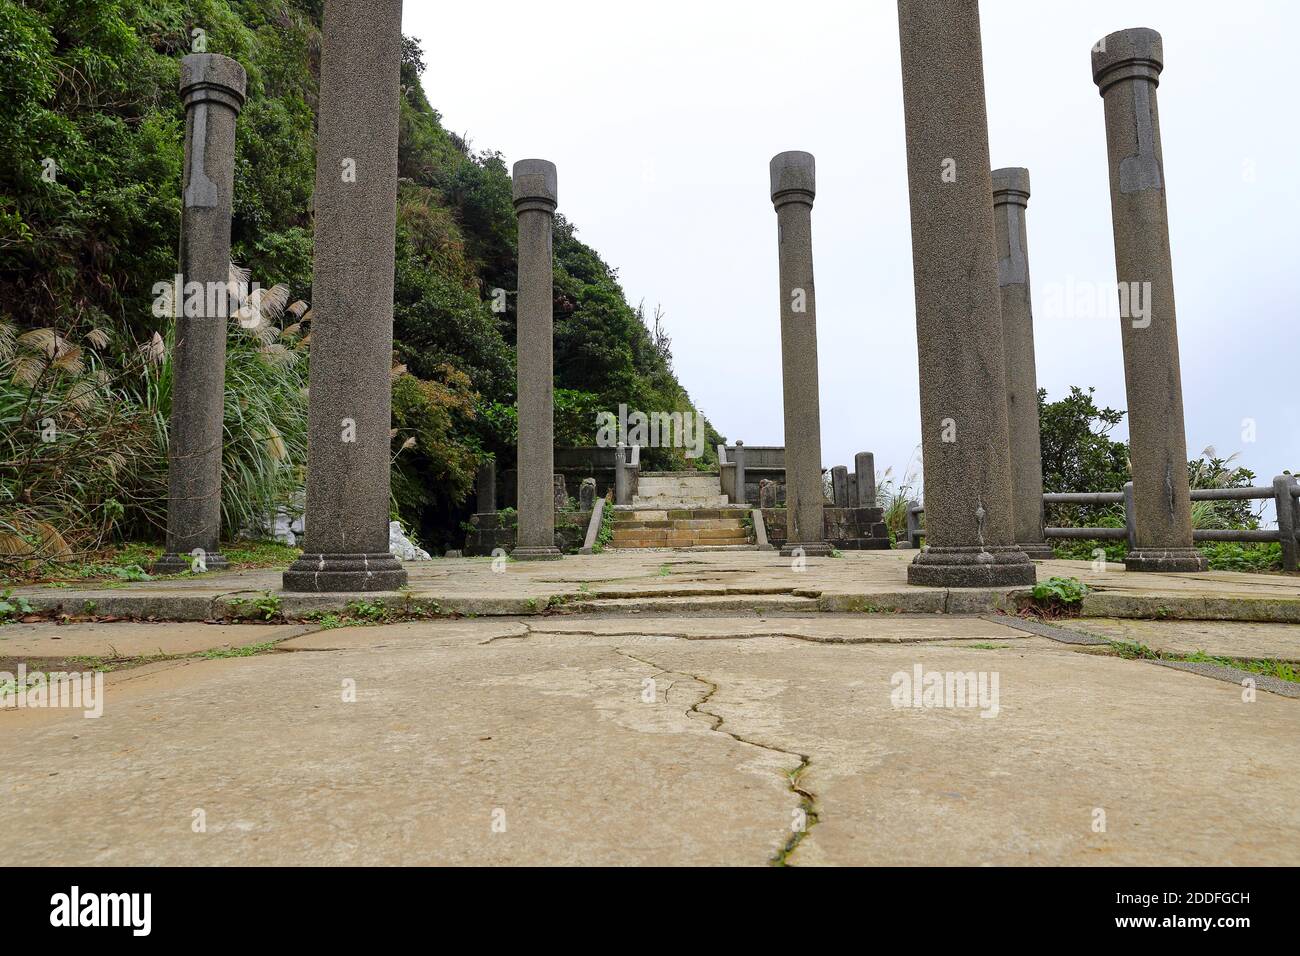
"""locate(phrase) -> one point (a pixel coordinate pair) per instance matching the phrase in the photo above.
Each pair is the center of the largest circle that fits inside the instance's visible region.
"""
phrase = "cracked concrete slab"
(1245, 640)
(127, 639)
(556, 741)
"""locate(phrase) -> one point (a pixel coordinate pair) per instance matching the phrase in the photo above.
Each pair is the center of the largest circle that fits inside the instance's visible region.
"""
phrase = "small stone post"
(1285, 503)
(840, 486)
(969, 538)
(1010, 199)
(350, 409)
(864, 466)
(793, 176)
(621, 495)
(1126, 68)
(535, 194)
(1130, 517)
(487, 487)
(212, 88)
(740, 472)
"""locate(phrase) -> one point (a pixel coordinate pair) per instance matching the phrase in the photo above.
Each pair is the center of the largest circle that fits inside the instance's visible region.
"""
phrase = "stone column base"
(971, 567)
(536, 554)
(345, 572)
(810, 549)
(1165, 559)
(177, 563)
(1036, 550)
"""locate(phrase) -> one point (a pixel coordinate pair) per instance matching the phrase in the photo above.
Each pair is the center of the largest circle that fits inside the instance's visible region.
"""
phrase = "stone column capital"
(1011, 185)
(535, 186)
(1136, 53)
(212, 78)
(794, 178)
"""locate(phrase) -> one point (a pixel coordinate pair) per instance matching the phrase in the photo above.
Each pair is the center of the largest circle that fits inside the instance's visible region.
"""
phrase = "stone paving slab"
(1239, 639)
(126, 639)
(595, 740)
(870, 581)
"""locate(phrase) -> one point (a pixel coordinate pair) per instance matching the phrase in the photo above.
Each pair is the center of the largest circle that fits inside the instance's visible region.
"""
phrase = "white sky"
(662, 118)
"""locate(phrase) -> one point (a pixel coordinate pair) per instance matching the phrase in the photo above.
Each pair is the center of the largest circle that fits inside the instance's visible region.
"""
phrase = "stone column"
(958, 313)
(1126, 68)
(864, 466)
(1010, 199)
(212, 88)
(486, 487)
(740, 472)
(794, 185)
(535, 199)
(350, 409)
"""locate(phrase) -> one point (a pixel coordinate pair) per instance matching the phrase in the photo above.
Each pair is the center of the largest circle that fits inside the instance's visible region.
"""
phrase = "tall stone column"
(794, 186)
(212, 88)
(1126, 68)
(350, 410)
(1010, 199)
(535, 199)
(958, 312)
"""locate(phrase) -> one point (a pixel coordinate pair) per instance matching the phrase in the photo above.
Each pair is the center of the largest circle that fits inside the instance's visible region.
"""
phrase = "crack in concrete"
(807, 798)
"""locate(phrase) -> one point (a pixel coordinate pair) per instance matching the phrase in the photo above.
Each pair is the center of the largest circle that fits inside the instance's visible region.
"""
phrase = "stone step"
(663, 502)
(679, 528)
(673, 514)
(682, 524)
(686, 487)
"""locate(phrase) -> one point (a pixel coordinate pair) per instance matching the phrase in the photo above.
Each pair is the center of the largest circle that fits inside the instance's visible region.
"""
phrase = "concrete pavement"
(696, 739)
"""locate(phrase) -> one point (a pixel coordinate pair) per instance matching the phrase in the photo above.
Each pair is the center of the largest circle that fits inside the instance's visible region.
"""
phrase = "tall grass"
(83, 431)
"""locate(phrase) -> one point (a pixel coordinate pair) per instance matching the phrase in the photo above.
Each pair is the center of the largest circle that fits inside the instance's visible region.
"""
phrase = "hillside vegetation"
(91, 131)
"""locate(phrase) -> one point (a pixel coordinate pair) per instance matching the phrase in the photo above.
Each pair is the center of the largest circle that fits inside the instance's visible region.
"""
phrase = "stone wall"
(491, 531)
(574, 464)
(849, 529)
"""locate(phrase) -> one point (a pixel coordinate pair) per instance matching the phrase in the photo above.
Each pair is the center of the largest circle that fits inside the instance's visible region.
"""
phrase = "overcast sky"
(662, 118)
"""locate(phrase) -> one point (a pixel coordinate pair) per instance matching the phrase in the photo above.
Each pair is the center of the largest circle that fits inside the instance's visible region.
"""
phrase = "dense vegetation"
(91, 132)
(1080, 455)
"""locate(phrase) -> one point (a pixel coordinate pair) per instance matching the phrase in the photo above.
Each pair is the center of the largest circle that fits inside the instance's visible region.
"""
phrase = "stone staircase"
(680, 510)
(665, 490)
(680, 528)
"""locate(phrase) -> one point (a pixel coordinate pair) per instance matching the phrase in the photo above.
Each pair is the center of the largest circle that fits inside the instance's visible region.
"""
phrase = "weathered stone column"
(864, 466)
(350, 410)
(212, 88)
(1126, 68)
(621, 494)
(1010, 199)
(486, 487)
(840, 486)
(794, 185)
(958, 313)
(535, 199)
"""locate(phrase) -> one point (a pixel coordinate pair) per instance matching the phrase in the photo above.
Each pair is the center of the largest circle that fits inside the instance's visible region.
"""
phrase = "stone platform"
(669, 581)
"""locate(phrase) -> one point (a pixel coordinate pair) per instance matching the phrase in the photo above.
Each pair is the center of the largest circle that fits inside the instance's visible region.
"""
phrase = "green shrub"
(1065, 592)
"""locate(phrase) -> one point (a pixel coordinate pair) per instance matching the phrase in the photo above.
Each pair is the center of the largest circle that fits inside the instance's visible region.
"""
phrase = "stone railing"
(1284, 492)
